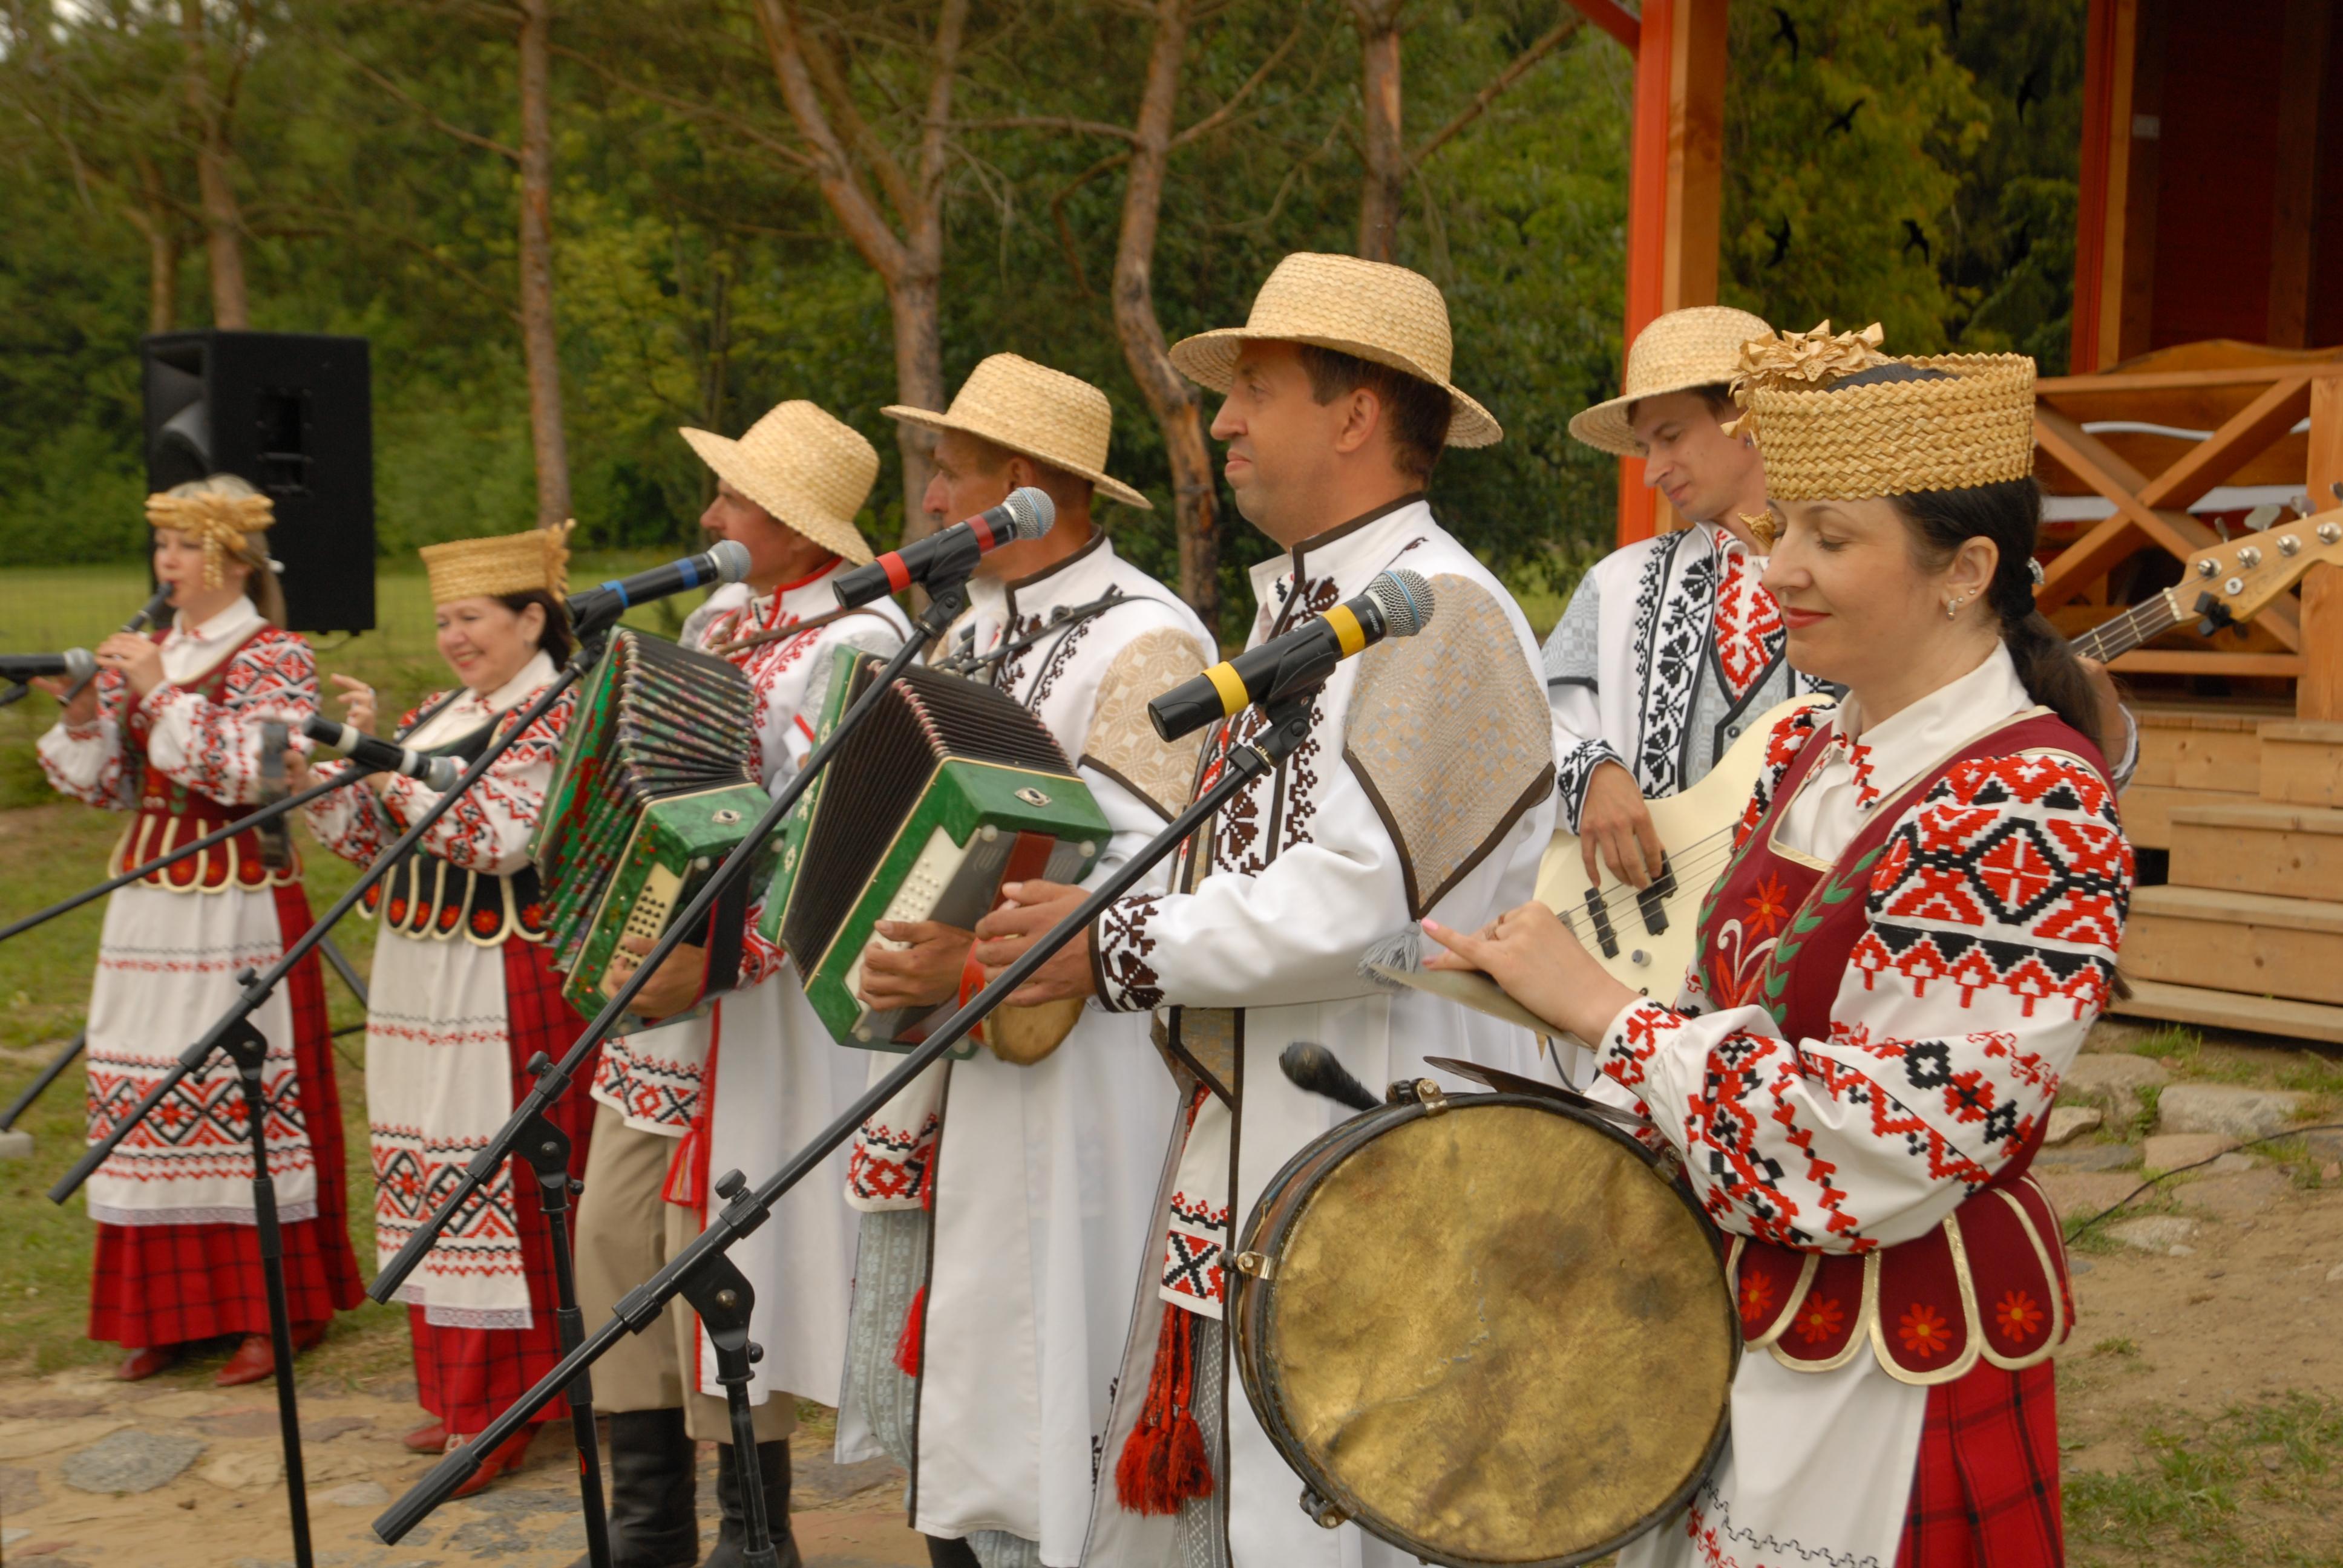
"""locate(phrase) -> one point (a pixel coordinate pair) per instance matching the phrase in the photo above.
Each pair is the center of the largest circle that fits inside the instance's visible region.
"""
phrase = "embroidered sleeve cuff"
(1120, 946)
(1573, 772)
(1634, 1038)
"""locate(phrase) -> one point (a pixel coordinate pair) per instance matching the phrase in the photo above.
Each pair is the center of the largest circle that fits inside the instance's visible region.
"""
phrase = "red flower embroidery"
(1767, 906)
(1820, 1320)
(2019, 1315)
(398, 911)
(1756, 1297)
(484, 921)
(1924, 1331)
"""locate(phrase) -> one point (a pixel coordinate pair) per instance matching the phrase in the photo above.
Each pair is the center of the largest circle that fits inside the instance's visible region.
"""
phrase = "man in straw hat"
(1671, 648)
(993, 1284)
(1425, 784)
(757, 1078)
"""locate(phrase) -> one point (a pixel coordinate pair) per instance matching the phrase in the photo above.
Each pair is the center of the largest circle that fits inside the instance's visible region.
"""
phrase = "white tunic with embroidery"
(439, 1079)
(1044, 1176)
(1425, 786)
(764, 1076)
(1873, 1136)
(167, 960)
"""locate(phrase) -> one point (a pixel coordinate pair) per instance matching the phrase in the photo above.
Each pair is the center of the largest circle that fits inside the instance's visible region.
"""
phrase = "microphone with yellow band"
(1396, 604)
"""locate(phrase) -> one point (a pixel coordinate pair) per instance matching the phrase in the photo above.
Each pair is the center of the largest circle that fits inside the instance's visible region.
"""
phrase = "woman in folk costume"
(462, 993)
(984, 1347)
(1425, 784)
(175, 731)
(1919, 925)
(759, 1076)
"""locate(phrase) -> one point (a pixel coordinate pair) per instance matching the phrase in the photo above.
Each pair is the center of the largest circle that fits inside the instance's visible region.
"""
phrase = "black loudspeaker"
(292, 413)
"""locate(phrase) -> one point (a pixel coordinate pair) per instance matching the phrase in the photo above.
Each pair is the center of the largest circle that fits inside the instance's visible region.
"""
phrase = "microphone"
(1396, 604)
(599, 608)
(1312, 1067)
(75, 662)
(435, 772)
(153, 610)
(951, 554)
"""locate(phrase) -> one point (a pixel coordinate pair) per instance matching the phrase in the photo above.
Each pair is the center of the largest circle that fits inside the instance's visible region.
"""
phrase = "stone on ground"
(2234, 1113)
(2154, 1232)
(2067, 1121)
(357, 1494)
(2112, 1079)
(2171, 1150)
(2241, 1196)
(245, 1470)
(2088, 1157)
(130, 1461)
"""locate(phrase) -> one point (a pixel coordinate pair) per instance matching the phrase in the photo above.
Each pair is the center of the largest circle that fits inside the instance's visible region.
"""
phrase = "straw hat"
(1676, 353)
(1970, 424)
(1367, 309)
(1045, 414)
(532, 562)
(810, 470)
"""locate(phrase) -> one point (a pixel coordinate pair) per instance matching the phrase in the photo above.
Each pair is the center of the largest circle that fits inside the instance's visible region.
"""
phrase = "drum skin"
(1489, 1333)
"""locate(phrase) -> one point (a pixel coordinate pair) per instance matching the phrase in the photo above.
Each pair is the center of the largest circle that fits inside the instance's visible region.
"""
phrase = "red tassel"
(906, 1348)
(1164, 1463)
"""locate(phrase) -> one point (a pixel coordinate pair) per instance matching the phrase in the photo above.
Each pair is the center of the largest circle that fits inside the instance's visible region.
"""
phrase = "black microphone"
(597, 608)
(1312, 1067)
(950, 555)
(434, 772)
(1396, 604)
(75, 662)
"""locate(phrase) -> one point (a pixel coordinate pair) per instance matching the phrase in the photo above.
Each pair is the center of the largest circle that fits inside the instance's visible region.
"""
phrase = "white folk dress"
(175, 1259)
(1424, 788)
(1932, 1080)
(1042, 1182)
(759, 1075)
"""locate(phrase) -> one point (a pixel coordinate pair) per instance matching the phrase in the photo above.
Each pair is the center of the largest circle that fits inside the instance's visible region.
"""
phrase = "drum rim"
(1248, 1306)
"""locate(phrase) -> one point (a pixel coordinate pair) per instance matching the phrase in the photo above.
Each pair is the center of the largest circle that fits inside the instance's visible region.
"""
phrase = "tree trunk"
(1380, 103)
(153, 214)
(914, 299)
(541, 344)
(223, 223)
(1174, 402)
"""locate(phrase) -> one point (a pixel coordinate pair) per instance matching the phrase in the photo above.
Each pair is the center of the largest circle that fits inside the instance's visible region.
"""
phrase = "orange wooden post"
(2319, 693)
(2109, 43)
(1675, 188)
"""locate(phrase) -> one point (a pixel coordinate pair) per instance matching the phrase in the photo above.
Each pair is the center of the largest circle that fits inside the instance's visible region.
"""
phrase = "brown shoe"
(429, 1439)
(255, 1359)
(140, 1365)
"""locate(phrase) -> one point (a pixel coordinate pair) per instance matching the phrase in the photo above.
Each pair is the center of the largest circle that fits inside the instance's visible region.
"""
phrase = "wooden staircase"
(2248, 931)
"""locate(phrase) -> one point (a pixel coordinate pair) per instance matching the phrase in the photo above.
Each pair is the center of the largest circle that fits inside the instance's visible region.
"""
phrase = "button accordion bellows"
(949, 789)
(656, 782)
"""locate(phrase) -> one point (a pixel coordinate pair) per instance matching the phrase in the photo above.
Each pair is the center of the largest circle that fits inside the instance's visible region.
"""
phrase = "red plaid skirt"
(166, 1284)
(466, 1377)
(1986, 1490)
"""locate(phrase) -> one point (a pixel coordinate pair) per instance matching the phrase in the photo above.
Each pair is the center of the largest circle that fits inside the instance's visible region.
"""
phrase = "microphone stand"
(704, 1274)
(244, 1044)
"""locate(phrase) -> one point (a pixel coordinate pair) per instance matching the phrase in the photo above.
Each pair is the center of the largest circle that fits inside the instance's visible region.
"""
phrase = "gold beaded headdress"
(1971, 424)
(220, 523)
(527, 562)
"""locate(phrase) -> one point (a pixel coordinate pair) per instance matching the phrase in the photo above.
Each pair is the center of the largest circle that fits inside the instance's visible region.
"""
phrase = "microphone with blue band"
(1396, 604)
(598, 608)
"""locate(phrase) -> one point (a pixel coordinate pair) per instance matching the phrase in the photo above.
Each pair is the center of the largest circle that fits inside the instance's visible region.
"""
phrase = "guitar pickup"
(1654, 900)
(1604, 937)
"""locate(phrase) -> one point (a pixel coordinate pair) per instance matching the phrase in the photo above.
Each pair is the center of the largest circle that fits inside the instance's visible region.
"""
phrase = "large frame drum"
(1486, 1328)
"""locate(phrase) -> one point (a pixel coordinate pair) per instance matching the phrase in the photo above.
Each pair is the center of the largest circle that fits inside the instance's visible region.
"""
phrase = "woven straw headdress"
(810, 471)
(1045, 414)
(220, 523)
(1367, 309)
(509, 563)
(1970, 425)
(1683, 350)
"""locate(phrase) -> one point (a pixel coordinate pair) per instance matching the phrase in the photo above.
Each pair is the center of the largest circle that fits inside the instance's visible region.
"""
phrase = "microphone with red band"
(951, 554)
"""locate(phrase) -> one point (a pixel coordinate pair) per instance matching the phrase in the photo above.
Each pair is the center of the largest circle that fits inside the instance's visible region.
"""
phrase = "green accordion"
(945, 791)
(655, 784)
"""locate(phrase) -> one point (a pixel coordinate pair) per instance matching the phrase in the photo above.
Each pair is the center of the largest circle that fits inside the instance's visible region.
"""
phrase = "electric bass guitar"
(1645, 938)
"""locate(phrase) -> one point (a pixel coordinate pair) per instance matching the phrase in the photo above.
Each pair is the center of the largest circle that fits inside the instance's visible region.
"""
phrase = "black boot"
(731, 1536)
(653, 1524)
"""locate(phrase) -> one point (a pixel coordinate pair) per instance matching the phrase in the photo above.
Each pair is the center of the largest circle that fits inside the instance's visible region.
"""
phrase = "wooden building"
(2206, 402)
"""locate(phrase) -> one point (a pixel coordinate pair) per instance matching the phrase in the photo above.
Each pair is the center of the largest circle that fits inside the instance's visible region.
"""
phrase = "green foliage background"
(701, 278)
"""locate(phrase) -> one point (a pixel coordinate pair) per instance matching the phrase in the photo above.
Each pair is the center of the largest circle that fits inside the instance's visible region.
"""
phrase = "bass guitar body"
(1645, 938)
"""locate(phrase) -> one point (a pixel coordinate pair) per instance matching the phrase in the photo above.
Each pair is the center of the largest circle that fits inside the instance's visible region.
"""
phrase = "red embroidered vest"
(1989, 1283)
(170, 814)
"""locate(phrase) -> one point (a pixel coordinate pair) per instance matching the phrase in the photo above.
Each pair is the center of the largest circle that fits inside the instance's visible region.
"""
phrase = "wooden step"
(2199, 749)
(2258, 847)
(2250, 942)
(2147, 810)
(2228, 1010)
(2302, 762)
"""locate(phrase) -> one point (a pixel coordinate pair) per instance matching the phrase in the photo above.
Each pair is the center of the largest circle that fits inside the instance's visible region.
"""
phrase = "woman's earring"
(1953, 606)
